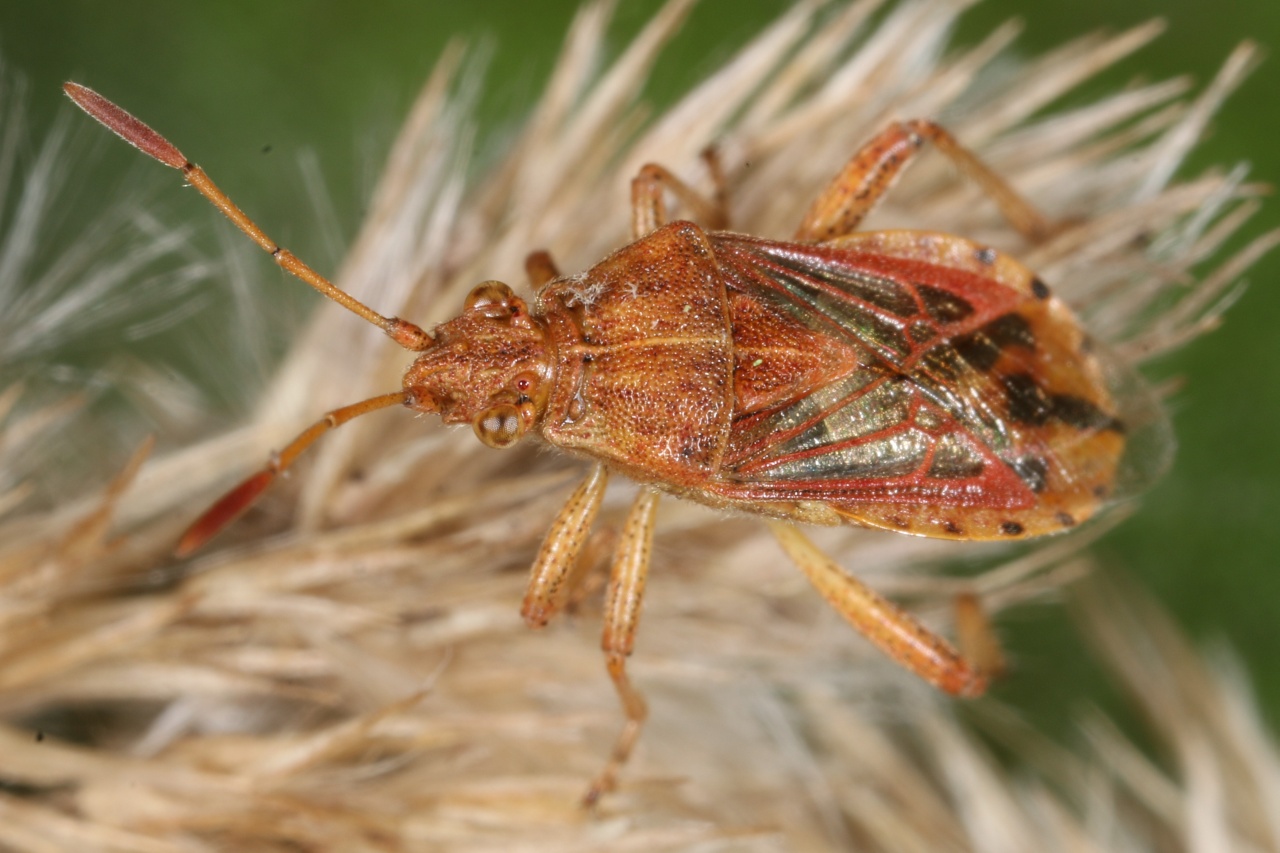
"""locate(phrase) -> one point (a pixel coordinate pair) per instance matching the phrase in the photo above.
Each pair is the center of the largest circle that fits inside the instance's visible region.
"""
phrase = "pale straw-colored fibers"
(345, 668)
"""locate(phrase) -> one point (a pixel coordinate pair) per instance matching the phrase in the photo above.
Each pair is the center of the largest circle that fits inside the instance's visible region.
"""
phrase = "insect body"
(904, 380)
(854, 381)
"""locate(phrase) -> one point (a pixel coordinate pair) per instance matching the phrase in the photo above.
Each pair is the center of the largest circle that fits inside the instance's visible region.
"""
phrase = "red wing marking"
(958, 390)
(885, 443)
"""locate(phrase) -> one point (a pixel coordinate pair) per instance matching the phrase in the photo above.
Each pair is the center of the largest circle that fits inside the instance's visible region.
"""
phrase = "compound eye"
(491, 297)
(499, 426)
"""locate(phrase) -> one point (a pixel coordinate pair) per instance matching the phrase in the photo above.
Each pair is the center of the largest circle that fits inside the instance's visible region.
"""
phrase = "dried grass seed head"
(330, 690)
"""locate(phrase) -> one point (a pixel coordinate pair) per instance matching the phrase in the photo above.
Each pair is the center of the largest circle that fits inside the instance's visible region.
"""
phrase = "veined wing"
(967, 385)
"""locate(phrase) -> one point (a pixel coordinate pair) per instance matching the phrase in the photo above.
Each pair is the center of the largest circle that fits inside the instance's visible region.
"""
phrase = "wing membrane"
(963, 388)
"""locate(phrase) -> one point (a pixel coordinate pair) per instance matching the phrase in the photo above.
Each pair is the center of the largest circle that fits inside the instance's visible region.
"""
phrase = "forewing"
(972, 406)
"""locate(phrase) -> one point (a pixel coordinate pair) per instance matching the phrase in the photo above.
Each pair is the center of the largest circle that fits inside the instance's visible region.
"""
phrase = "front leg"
(559, 552)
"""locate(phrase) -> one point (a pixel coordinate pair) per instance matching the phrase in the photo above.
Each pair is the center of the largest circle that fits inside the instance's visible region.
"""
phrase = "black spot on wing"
(1033, 471)
(880, 332)
(1028, 402)
(1010, 330)
(977, 350)
(1033, 405)
(1081, 414)
(942, 306)
(981, 349)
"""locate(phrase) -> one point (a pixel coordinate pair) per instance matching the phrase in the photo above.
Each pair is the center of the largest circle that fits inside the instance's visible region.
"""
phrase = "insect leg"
(649, 209)
(872, 170)
(540, 269)
(976, 637)
(590, 574)
(559, 552)
(233, 503)
(894, 631)
(621, 616)
(719, 188)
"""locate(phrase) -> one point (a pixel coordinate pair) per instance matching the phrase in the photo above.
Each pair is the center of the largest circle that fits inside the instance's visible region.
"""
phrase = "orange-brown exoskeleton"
(903, 380)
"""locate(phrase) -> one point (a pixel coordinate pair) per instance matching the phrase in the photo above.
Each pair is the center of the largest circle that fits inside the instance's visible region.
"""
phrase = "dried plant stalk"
(347, 670)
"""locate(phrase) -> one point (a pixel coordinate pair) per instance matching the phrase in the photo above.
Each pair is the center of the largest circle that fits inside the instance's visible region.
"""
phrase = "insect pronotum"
(904, 380)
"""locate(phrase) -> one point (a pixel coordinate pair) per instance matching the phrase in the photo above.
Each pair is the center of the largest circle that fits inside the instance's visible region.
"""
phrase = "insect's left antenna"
(231, 505)
(146, 140)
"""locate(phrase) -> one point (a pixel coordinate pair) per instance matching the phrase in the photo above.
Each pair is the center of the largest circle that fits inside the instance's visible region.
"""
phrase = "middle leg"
(649, 210)
(540, 269)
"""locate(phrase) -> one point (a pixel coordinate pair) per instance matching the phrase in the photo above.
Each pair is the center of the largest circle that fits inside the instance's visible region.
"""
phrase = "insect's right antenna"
(146, 140)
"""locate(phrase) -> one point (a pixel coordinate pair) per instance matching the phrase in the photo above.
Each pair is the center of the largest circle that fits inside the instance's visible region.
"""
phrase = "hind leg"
(871, 172)
(621, 617)
(890, 628)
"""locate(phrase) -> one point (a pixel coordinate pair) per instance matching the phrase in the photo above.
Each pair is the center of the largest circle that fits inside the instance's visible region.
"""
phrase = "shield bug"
(904, 380)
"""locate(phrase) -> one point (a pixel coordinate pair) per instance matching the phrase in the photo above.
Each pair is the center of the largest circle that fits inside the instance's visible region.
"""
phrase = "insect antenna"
(231, 505)
(146, 140)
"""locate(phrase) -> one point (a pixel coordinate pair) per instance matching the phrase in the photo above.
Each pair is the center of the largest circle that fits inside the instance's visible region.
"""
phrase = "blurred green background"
(244, 86)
